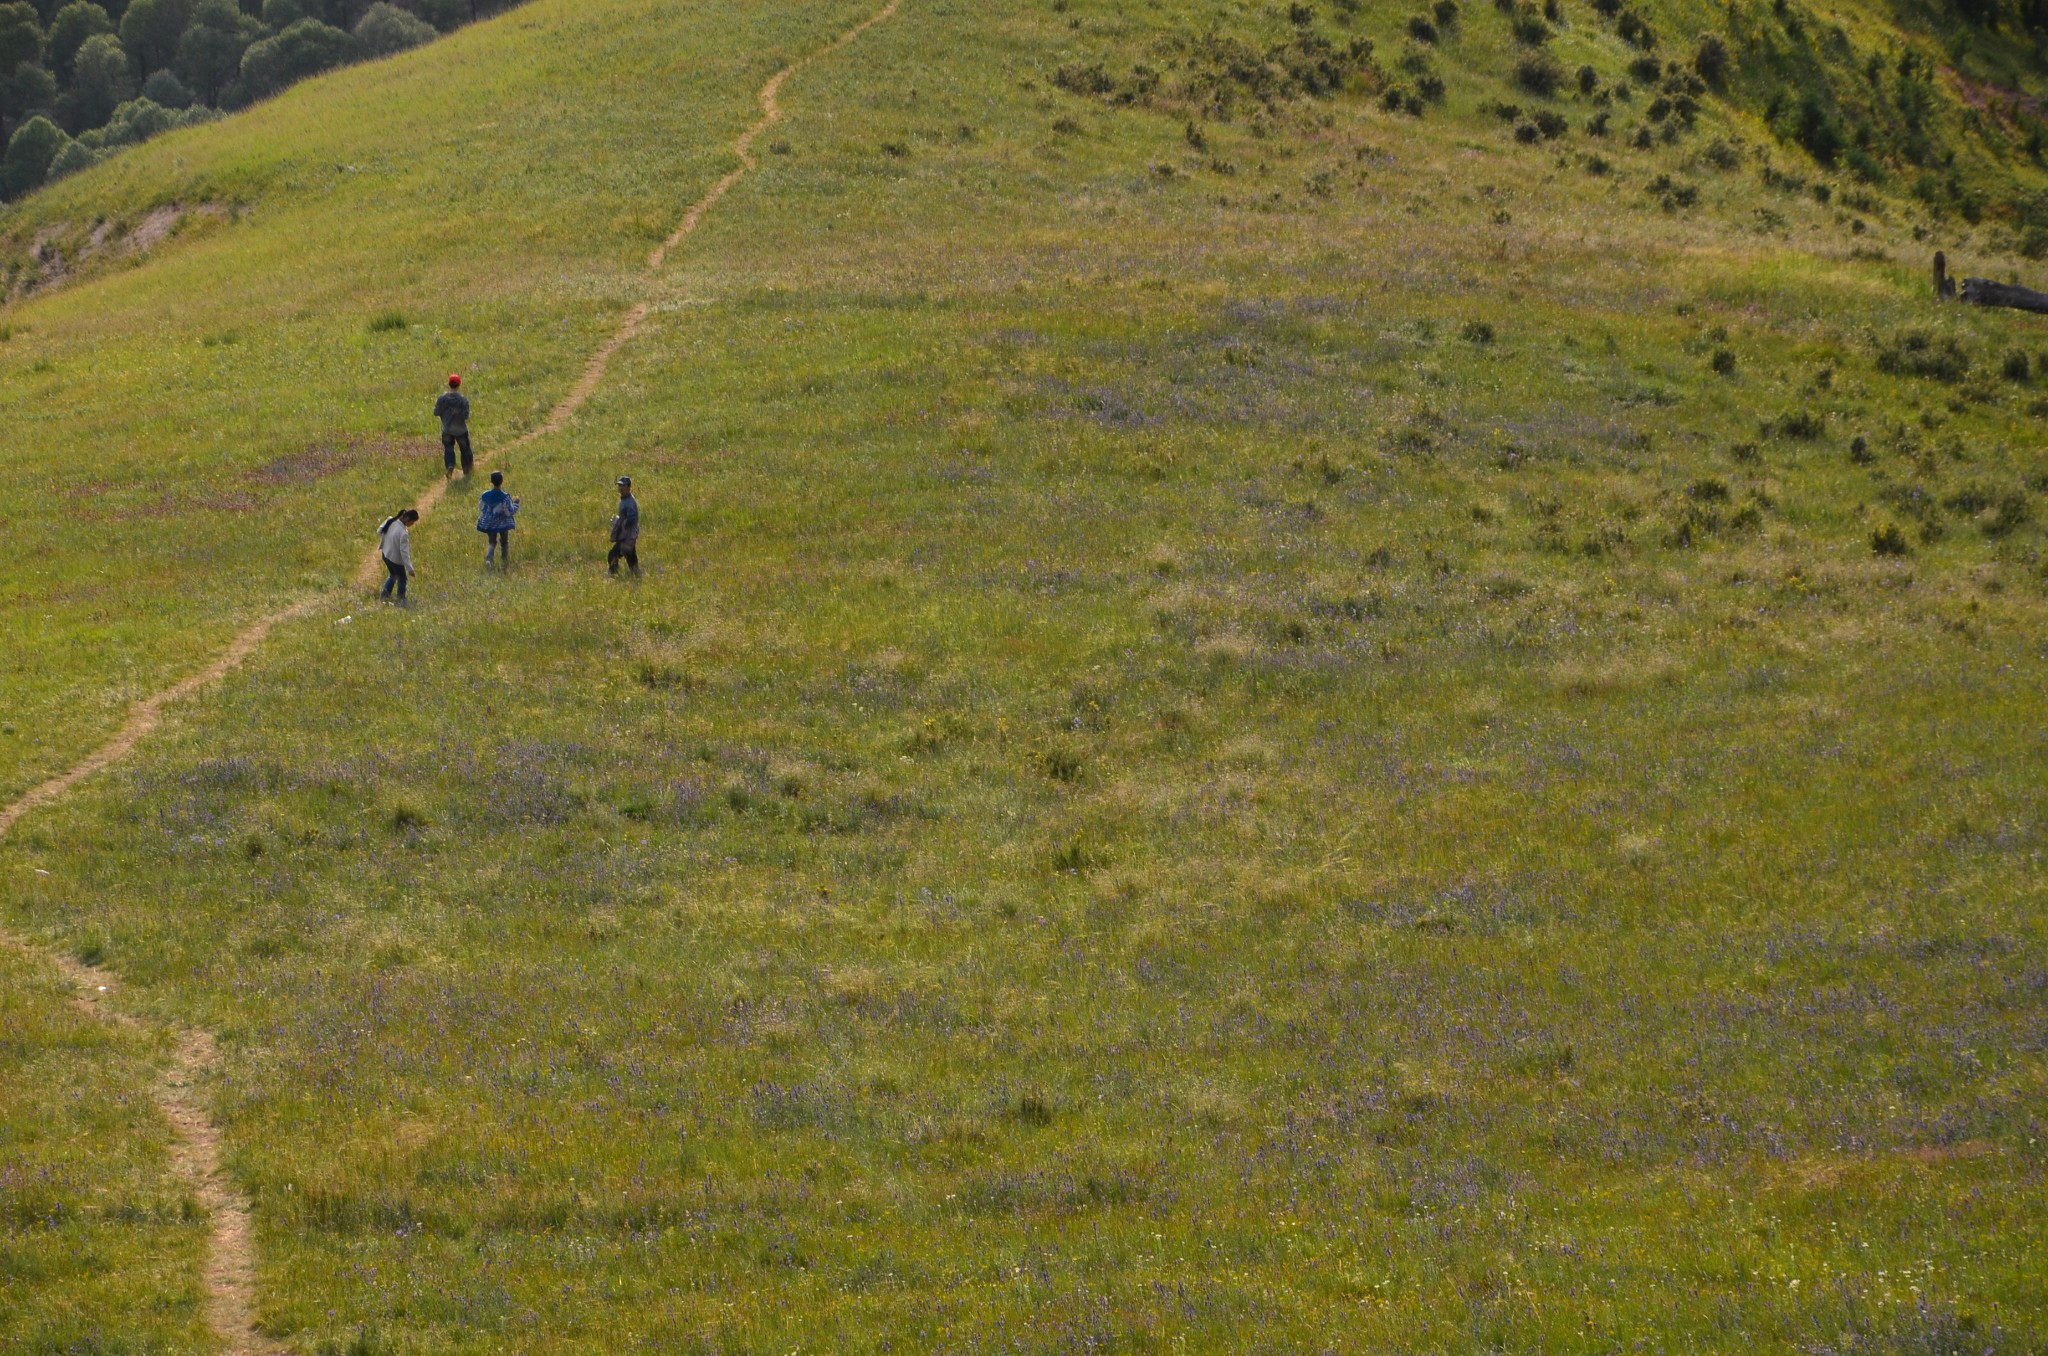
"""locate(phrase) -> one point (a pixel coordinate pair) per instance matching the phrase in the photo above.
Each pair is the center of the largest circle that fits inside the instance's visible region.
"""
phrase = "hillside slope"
(1319, 728)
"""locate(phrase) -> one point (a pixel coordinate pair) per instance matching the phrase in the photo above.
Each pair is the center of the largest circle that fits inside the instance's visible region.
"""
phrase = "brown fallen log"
(1984, 292)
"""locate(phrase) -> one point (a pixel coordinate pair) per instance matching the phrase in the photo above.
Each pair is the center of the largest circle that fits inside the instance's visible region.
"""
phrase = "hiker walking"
(452, 409)
(497, 515)
(394, 543)
(626, 529)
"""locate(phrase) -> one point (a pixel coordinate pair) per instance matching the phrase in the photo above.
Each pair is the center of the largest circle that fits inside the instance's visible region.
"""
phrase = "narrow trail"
(230, 1267)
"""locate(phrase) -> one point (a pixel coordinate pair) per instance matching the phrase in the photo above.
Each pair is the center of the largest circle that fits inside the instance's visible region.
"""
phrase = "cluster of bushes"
(1223, 74)
(79, 78)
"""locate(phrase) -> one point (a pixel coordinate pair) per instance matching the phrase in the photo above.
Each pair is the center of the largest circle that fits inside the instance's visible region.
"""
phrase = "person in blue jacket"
(497, 514)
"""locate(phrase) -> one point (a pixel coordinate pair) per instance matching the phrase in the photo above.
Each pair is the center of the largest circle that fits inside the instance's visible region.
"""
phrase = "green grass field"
(1253, 746)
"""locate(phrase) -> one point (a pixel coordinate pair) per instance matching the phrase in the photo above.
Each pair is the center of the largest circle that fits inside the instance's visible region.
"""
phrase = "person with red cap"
(452, 409)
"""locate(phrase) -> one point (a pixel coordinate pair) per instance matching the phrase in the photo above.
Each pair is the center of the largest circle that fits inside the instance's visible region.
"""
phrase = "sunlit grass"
(1198, 762)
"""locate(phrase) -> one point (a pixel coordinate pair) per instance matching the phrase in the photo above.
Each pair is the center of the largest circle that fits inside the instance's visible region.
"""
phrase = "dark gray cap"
(626, 481)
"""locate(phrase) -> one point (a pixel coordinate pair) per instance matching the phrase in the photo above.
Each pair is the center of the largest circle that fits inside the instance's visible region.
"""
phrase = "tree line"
(82, 78)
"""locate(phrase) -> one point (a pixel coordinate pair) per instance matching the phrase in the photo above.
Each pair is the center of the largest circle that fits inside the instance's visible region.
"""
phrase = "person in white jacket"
(394, 541)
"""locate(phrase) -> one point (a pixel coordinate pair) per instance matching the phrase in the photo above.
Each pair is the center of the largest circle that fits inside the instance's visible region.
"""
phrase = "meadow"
(1323, 730)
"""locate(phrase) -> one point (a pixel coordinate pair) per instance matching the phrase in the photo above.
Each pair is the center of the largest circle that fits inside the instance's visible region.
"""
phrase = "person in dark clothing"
(452, 409)
(626, 529)
(497, 514)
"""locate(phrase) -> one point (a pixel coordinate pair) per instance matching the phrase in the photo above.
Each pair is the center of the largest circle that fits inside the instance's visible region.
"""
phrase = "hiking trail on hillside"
(230, 1266)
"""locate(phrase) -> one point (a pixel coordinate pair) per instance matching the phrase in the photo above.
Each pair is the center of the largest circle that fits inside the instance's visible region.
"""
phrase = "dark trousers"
(629, 554)
(397, 578)
(449, 442)
(500, 542)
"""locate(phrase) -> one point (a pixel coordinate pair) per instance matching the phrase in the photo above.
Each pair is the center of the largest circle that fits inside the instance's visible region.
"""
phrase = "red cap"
(454, 379)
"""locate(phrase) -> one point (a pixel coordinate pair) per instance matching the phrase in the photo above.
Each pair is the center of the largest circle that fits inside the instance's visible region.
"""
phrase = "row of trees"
(79, 78)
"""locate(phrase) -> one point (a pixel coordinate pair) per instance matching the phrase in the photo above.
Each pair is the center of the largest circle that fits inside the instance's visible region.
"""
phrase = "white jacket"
(398, 545)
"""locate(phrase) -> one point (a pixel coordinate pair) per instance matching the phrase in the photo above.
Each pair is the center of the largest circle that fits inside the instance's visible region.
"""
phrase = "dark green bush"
(1915, 353)
(1710, 58)
(1540, 74)
(1528, 26)
(1888, 540)
(1589, 79)
(2017, 366)
(1421, 28)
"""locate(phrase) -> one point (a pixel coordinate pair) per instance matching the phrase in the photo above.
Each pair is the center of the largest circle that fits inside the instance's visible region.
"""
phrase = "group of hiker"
(497, 510)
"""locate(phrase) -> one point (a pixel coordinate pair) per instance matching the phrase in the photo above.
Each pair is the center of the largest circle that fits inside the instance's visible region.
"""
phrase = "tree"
(28, 90)
(166, 90)
(386, 28)
(308, 47)
(29, 153)
(210, 52)
(449, 15)
(21, 36)
(100, 81)
(278, 15)
(150, 31)
(74, 24)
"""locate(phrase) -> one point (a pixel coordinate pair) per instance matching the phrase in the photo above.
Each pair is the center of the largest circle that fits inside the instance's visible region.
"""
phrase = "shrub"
(1430, 87)
(1446, 12)
(74, 157)
(1859, 451)
(30, 150)
(1607, 9)
(2012, 511)
(1645, 70)
(1421, 29)
(1635, 30)
(385, 29)
(1476, 332)
(1540, 74)
(1529, 28)
(1596, 126)
(1710, 58)
(1889, 541)
(2016, 366)
(136, 122)
(1551, 125)
(1804, 425)
(1589, 79)
(1089, 78)
(278, 15)
(1916, 353)
(1723, 362)
(389, 321)
(1813, 127)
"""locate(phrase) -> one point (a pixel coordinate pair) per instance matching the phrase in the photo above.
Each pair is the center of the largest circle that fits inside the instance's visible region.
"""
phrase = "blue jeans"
(397, 578)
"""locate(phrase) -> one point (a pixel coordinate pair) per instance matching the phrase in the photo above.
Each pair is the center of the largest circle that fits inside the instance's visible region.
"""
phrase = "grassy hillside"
(1323, 728)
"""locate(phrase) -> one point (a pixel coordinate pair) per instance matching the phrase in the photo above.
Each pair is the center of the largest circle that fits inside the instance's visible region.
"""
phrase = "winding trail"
(230, 1267)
